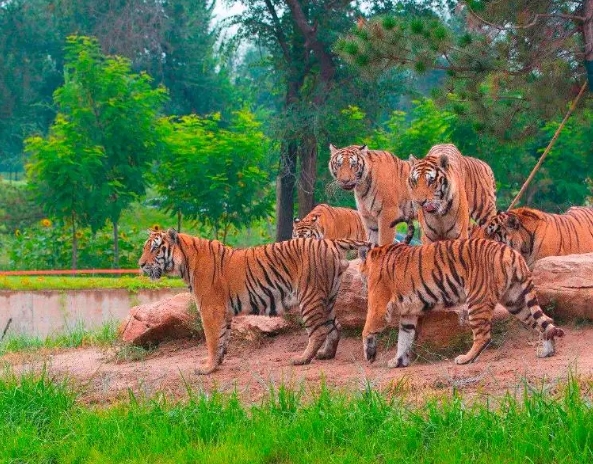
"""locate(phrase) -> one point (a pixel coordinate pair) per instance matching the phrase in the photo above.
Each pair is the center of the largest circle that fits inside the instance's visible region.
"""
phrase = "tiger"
(536, 234)
(449, 189)
(326, 221)
(265, 279)
(411, 280)
(379, 181)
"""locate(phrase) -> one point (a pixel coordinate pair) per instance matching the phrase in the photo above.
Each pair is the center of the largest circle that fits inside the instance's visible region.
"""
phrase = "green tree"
(214, 175)
(107, 114)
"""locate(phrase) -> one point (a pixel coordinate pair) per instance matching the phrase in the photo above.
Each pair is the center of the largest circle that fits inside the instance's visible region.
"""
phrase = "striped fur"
(536, 234)
(379, 181)
(326, 221)
(449, 189)
(408, 281)
(259, 280)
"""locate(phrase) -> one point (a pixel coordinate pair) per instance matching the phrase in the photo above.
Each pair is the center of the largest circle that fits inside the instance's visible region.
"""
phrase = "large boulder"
(564, 285)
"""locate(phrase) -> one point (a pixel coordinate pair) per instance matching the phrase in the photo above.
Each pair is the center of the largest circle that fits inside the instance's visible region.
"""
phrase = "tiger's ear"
(173, 235)
(296, 219)
(332, 148)
(513, 222)
(444, 161)
(314, 218)
(363, 150)
(412, 158)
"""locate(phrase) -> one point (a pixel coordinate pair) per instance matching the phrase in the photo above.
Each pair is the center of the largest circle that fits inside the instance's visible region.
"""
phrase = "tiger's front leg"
(216, 322)
(318, 328)
(405, 340)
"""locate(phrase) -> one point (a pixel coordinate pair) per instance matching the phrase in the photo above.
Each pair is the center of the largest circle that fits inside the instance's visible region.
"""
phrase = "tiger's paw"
(300, 361)
(463, 359)
(323, 355)
(205, 370)
(399, 361)
(546, 350)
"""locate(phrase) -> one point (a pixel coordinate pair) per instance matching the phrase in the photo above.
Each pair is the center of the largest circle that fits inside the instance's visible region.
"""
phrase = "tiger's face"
(429, 184)
(307, 227)
(348, 165)
(158, 254)
(505, 228)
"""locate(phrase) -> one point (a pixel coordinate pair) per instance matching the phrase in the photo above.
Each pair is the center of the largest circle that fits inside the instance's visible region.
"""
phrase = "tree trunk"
(74, 245)
(307, 176)
(115, 246)
(588, 39)
(285, 184)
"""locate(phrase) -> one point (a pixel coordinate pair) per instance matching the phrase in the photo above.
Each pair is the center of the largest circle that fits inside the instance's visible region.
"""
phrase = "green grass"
(131, 283)
(43, 423)
(74, 338)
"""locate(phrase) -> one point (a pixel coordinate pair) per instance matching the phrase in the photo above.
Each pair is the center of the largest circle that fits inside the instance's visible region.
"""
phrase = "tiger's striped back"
(330, 222)
(412, 280)
(379, 182)
(536, 234)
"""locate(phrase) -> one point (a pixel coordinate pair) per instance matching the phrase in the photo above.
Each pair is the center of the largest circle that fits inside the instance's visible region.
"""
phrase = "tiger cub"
(259, 280)
(536, 234)
(379, 181)
(326, 221)
(449, 189)
(408, 281)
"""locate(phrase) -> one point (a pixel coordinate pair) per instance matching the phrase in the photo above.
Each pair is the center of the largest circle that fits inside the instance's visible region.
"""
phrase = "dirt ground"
(253, 366)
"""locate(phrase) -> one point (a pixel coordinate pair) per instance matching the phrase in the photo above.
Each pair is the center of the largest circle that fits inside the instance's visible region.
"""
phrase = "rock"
(253, 326)
(167, 319)
(564, 285)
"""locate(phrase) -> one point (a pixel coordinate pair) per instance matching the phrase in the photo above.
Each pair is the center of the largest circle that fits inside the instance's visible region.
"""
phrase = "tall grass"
(75, 337)
(42, 422)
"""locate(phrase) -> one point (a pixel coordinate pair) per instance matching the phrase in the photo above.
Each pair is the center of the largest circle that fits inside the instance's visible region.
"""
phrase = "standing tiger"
(379, 181)
(264, 279)
(449, 189)
(536, 234)
(326, 221)
(410, 280)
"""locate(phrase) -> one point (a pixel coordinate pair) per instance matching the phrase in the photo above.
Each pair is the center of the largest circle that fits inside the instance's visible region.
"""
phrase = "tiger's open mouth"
(430, 208)
(348, 185)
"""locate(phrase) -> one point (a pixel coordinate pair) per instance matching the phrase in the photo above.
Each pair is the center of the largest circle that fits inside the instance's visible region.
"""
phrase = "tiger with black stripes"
(448, 189)
(260, 280)
(407, 281)
(536, 234)
(325, 221)
(379, 182)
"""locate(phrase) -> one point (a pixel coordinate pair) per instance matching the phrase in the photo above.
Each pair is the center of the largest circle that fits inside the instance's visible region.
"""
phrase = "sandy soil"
(254, 365)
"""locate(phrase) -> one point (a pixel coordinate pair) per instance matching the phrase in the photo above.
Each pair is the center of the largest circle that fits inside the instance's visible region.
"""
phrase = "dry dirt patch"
(253, 366)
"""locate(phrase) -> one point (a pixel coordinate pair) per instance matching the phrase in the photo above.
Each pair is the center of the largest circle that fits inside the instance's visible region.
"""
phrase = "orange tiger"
(326, 221)
(536, 234)
(379, 181)
(449, 189)
(264, 279)
(410, 280)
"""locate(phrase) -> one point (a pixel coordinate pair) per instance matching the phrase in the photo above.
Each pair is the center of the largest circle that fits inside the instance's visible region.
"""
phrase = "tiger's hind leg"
(216, 323)
(330, 346)
(480, 321)
(318, 327)
(405, 340)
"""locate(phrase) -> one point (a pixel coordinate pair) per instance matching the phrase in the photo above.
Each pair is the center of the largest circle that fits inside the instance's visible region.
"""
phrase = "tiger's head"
(430, 183)
(348, 165)
(158, 254)
(505, 228)
(308, 227)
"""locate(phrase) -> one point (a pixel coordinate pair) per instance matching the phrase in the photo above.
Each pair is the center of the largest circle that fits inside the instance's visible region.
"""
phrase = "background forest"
(120, 115)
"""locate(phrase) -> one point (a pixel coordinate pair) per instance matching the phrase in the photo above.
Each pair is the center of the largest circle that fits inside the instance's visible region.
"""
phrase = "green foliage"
(41, 419)
(132, 284)
(17, 207)
(215, 175)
